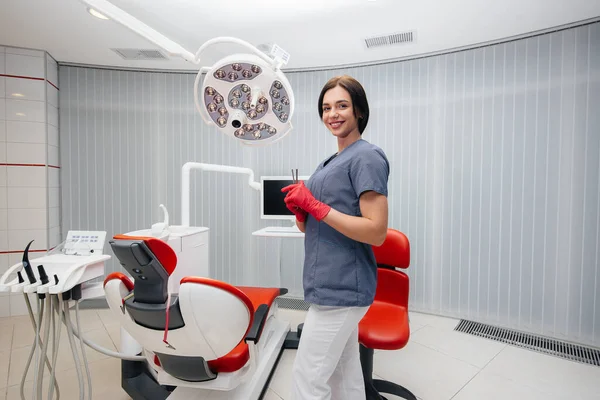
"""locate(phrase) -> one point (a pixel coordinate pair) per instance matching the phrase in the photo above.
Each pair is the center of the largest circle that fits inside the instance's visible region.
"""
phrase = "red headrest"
(395, 250)
(163, 252)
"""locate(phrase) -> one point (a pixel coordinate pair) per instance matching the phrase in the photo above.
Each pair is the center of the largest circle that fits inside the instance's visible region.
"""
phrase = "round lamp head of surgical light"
(247, 99)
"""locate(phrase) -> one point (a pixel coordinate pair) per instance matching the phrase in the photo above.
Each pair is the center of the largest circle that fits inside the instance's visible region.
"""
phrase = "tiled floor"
(437, 364)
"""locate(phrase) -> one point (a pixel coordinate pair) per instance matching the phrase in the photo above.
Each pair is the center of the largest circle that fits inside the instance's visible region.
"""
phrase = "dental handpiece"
(43, 276)
(27, 265)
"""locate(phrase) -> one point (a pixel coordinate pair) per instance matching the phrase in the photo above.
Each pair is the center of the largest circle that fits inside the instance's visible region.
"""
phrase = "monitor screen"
(272, 199)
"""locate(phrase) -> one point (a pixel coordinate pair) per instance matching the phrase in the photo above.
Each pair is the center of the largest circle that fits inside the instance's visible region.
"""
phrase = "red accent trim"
(22, 165)
(239, 356)
(118, 275)
(23, 77)
(28, 165)
(56, 87)
(156, 360)
(260, 295)
(29, 77)
(395, 250)
(21, 251)
(232, 361)
(163, 252)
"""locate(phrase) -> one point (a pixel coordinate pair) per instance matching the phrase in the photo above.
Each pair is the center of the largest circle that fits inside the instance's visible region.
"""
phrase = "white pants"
(327, 364)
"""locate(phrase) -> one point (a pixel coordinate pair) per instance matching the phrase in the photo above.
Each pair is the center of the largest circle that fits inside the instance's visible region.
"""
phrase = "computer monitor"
(272, 204)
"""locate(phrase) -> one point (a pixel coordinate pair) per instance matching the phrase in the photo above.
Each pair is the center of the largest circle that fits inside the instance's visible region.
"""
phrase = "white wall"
(494, 174)
(29, 162)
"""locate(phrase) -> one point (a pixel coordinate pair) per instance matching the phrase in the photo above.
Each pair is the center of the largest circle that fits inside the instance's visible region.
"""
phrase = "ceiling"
(316, 33)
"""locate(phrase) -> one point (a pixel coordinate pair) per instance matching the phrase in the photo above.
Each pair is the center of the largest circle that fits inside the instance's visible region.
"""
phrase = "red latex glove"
(300, 213)
(299, 195)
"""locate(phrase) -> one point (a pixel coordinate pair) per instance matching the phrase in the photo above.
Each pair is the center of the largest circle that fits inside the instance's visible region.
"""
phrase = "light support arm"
(226, 39)
(115, 13)
(186, 180)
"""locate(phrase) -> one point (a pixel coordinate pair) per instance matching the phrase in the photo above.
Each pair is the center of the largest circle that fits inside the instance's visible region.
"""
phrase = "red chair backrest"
(395, 250)
(392, 285)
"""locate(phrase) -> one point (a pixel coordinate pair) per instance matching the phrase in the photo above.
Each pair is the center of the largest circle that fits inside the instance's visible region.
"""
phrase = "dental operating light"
(245, 96)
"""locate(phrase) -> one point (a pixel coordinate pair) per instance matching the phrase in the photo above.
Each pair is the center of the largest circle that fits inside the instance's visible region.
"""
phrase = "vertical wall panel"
(494, 178)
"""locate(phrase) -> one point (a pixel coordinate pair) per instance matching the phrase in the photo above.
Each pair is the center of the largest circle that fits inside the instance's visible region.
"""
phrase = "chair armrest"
(260, 316)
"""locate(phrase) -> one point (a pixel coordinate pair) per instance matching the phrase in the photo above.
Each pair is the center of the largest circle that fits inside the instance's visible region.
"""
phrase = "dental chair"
(217, 341)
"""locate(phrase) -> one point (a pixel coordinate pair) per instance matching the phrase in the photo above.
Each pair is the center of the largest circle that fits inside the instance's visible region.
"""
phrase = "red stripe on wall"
(23, 77)
(52, 84)
(29, 77)
(21, 251)
(27, 165)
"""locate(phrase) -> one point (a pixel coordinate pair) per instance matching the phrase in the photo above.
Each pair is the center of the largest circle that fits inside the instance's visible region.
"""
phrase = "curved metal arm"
(185, 183)
(226, 39)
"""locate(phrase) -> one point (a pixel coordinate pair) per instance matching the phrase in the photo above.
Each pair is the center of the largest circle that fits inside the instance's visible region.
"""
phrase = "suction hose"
(31, 353)
(65, 307)
(55, 345)
(81, 343)
(44, 345)
(100, 349)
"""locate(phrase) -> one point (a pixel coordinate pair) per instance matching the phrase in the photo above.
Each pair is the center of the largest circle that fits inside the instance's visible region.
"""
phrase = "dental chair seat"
(388, 327)
(240, 355)
(215, 329)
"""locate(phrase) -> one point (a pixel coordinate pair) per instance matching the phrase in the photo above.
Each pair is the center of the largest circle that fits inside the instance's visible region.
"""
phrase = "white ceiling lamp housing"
(245, 96)
(97, 14)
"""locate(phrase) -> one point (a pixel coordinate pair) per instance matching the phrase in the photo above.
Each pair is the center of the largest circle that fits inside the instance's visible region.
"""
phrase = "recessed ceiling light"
(97, 14)
(20, 114)
(18, 95)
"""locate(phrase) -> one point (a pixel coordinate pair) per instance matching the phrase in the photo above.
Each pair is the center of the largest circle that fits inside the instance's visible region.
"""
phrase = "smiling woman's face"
(338, 112)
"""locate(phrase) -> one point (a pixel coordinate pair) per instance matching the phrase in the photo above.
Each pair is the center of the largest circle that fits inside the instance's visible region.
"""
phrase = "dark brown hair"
(360, 105)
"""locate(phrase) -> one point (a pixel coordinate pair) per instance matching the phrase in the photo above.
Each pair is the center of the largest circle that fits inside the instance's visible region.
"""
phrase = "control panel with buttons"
(84, 242)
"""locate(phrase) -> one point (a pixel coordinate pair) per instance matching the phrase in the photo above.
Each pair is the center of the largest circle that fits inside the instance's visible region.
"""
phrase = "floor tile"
(104, 374)
(107, 317)
(281, 381)
(65, 358)
(391, 396)
(24, 333)
(271, 395)
(427, 373)
(295, 317)
(474, 350)
(4, 367)
(6, 336)
(114, 332)
(547, 373)
(88, 319)
(489, 386)
(433, 320)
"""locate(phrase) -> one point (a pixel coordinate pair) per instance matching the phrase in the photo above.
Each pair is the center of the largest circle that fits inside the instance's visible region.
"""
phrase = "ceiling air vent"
(140, 54)
(389, 40)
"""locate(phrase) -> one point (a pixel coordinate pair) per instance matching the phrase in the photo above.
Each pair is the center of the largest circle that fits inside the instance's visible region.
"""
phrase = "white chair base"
(239, 385)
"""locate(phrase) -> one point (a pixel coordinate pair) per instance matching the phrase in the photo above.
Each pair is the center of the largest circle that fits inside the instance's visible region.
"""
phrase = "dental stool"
(385, 326)
(222, 341)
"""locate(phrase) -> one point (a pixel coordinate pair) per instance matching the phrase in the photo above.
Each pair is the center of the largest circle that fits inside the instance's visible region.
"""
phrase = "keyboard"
(282, 229)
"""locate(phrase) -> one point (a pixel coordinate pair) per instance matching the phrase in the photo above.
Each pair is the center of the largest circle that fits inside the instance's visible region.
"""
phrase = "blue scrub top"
(339, 271)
